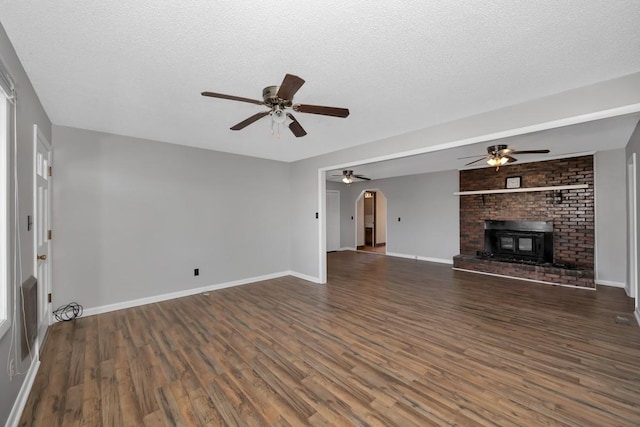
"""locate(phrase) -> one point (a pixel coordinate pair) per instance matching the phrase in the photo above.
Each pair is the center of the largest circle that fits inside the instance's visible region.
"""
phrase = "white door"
(333, 220)
(42, 222)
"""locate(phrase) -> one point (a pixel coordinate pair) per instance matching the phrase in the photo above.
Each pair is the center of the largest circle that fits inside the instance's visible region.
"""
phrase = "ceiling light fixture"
(497, 161)
(278, 116)
(347, 180)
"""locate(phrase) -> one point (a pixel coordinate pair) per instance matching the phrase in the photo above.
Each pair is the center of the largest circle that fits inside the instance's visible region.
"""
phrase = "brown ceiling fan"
(499, 155)
(279, 99)
(348, 176)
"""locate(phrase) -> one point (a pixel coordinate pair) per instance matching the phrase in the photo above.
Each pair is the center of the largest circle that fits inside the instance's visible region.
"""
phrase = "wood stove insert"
(530, 241)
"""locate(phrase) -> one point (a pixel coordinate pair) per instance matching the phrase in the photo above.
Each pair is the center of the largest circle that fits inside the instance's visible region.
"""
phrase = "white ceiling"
(137, 68)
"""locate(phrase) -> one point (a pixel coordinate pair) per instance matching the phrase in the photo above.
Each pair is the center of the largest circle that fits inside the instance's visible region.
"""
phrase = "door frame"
(360, 221)
(632, 249)
(39, 137)
(374, 241)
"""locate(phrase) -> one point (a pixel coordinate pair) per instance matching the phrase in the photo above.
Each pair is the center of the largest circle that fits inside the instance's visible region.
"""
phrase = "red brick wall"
(573, 216)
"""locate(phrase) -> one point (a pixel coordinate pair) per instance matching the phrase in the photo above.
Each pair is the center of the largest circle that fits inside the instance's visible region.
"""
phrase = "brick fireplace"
(568, 212)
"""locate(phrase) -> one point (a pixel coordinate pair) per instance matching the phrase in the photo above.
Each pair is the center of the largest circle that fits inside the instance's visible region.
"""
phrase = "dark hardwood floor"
(375, 249)
(387, 341)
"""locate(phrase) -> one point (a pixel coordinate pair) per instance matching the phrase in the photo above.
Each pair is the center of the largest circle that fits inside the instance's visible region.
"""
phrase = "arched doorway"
(371, 221)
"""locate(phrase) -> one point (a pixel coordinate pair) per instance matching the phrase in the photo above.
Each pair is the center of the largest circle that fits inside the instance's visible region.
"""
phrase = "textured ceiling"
(137, 68)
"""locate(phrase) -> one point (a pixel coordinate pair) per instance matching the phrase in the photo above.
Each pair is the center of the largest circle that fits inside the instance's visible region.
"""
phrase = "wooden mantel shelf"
(522, 190)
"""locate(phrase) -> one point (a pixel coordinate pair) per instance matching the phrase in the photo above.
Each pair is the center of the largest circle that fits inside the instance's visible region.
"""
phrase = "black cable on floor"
(64, 313)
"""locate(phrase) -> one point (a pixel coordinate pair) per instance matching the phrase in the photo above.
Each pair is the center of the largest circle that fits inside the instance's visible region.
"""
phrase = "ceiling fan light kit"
(348, 176)
(500, 154)
(280, 99)
(497, 161)
(278, 115)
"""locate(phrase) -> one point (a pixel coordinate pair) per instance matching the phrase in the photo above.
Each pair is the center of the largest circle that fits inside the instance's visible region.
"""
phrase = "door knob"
(42, 257)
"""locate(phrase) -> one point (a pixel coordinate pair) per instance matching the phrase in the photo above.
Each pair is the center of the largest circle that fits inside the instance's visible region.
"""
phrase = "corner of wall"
(305, 277)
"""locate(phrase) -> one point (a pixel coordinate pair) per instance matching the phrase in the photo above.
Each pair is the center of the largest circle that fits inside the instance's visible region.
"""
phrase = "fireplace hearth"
(519, 241)
(560, 252)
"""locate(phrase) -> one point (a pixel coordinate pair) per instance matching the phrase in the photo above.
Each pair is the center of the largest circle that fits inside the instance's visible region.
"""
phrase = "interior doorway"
(371, 221)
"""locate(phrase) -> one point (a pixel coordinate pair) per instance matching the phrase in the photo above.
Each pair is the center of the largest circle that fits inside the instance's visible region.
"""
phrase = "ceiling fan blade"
(296, 127)
(476, 161)
(530, 151)
(471, 157)
(362, 177)
(232, 97)
(246, 122)
(325, 111)
(289, 86)
(511, 159)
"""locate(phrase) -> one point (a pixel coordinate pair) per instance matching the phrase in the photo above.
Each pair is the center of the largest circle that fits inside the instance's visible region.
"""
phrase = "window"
(4, 212)
(525, 244)
(506, 243)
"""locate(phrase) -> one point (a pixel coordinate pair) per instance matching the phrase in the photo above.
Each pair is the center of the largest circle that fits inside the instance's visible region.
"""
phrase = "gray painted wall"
(426, 205)
(133, 218)
(337, 186)
(304, 173)
(429, 212)
(611, 217)
(29, 112)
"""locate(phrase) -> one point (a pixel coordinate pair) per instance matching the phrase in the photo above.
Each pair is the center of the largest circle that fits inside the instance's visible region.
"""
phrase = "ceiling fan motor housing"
(270, 97)
(495, 150)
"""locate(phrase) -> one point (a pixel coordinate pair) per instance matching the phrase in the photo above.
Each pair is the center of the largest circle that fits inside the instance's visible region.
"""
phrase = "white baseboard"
(303, 276)
(610, 283)
(422, 258)
(347, 249)
(164, 297)
(526, 280)
(23, 395)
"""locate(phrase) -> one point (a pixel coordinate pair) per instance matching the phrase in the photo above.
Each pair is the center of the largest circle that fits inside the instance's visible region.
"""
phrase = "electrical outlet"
(196, 271)
(12, 369)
